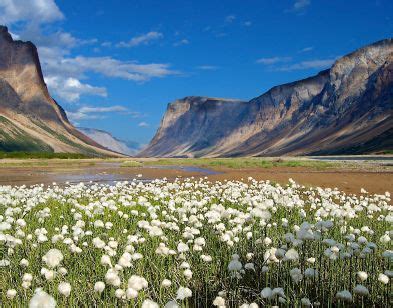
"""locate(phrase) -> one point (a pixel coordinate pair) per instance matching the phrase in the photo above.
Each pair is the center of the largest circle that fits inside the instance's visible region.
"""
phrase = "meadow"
(194, 243)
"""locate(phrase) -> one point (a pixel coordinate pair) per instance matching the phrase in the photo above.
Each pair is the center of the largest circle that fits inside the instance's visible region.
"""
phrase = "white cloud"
(309, 64)
(70, 89)
(307, 49)
(230, 18)
(143, 39)
(300, 5)
(207, 67)
(248, 23)
(273, 60)
(182, 42)
(66, 75)
(86, 112)
(109, 67)
(35, 11)
(143, 124)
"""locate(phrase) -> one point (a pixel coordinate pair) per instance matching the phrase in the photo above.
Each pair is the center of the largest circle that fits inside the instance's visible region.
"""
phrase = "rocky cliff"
(346, 109)
(28, 114)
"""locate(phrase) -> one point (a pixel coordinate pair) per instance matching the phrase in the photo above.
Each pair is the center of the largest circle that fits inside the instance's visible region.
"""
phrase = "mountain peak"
(26, 102)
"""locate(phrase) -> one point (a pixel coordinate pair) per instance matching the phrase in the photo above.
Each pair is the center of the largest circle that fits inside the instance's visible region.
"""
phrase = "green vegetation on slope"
(43, 155)
(14, 139)
(85, 150)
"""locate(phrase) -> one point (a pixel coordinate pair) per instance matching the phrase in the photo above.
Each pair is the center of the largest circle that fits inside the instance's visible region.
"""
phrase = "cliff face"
(25, 102)
(346, 109)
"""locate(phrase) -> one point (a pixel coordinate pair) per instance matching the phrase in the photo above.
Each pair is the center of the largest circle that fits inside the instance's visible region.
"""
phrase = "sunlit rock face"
(345, 109)
(30, 120)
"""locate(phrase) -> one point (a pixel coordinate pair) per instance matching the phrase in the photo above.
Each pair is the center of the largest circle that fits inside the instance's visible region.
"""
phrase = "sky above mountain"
(115, 65)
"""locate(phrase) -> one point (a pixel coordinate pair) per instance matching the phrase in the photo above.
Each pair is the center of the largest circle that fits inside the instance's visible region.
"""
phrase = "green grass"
(42, 155)
(131, 163)
(241, 163)
(84, 269)
(14, 139)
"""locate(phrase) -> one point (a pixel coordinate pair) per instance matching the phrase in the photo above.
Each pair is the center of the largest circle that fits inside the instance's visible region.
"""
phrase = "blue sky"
(115, 65)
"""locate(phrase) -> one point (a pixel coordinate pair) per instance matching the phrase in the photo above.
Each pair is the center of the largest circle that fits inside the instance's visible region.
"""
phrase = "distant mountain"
(30, 120)
(112, 143)
(345, 109)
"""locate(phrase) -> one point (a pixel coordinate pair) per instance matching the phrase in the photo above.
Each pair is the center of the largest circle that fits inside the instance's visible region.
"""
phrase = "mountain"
(108, 141)
(345, 109)
(30, 120)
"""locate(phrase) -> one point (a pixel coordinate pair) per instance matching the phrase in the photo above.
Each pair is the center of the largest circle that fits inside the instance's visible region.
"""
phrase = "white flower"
(311, 260)
(148, 303)
(187, 273)
(384, 238)
(219, 301)
(292, 255)
(137, 283)
(119, 293)
(24, 263)
(131, 293)
(64, 288)
(235, 265)
(171, 304)
(344, 295)
(296, 275)
(182, 247)
(383, 278)
(249, 266)
(27, 277)
(183, 293)
(206, 258)
(310, 273)
(305, 302)
(362, 276)
(11, 293)
(41, 299)
(125, 260)
(112, 277)
(166, 283)
(106, 260)
(98, 243)
(267, 241)
(267, 293)
(53, 258)
(4, 263)
(99, 286)
(361, 290)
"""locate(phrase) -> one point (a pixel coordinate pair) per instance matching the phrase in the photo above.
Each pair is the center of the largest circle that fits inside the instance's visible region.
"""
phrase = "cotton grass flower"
(99, 286)
(11, 293)
(219, 302)
(137, 283)
(344, 295)
(183, 293)
(361, 290)
(41, 299)
(64, 288)
(384, 279)
(53, 258)
(362, 276)
(166, 283)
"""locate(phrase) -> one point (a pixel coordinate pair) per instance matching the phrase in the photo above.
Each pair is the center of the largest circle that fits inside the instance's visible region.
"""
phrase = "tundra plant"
(193, 243)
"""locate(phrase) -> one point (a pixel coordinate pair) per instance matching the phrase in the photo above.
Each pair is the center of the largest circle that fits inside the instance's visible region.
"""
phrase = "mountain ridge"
(340, 108)
(110, 142)
(26, 103)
